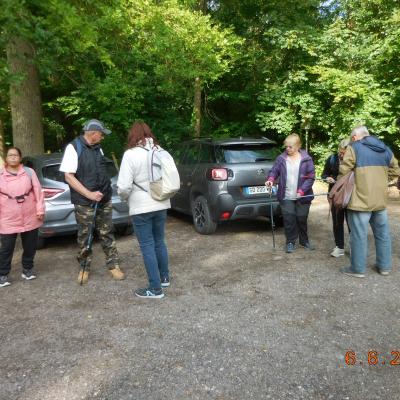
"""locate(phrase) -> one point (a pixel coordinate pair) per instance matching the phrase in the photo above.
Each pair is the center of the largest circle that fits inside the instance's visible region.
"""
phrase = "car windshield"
(52, 171)
(248, 153)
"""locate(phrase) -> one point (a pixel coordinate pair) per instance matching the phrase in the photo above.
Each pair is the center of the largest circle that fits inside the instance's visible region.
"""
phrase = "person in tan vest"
(374, 165)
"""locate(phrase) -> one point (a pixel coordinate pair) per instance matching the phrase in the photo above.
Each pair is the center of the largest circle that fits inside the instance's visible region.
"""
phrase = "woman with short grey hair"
(296, 173)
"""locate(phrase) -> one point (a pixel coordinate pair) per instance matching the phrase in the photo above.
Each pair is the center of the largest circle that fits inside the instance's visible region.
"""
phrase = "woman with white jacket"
(148, 215)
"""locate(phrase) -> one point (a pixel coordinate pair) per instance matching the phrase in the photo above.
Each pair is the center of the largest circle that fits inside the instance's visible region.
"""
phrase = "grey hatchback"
(60, 217)
(224, 180)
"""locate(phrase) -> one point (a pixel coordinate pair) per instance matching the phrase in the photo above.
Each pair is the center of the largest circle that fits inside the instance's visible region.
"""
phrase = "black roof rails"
(200, 138)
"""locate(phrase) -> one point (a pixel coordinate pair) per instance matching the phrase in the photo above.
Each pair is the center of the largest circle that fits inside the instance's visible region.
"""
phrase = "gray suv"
(60, 217)
(224, 180)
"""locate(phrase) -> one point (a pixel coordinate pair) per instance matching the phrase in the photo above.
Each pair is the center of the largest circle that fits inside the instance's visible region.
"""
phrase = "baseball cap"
(95, 125)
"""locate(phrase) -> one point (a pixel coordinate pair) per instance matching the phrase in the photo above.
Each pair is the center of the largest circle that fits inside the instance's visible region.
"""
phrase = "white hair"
(360, 131)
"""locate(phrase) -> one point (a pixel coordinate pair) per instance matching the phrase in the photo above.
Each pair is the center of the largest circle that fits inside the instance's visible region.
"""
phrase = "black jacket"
(331, 168)
(91, 172)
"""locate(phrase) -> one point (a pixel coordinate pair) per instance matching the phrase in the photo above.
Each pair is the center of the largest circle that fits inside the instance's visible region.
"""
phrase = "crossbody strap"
(136, 184)
(21, 198)
(140, 187)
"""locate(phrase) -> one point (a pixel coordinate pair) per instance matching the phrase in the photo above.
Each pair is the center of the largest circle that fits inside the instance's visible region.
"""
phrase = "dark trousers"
(338, 217)
(29, 242)
(295, 216)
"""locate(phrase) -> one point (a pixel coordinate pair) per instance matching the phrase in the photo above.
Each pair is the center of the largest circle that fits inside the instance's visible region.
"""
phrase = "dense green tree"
(273, 67)
(121, 60)
(343, 78)
(232, 102)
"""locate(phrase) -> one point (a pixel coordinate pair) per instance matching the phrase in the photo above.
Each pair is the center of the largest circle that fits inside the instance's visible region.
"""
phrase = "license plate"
(250, 190)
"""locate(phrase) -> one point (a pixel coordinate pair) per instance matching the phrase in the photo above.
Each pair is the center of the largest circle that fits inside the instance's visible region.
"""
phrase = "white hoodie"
(134, 168)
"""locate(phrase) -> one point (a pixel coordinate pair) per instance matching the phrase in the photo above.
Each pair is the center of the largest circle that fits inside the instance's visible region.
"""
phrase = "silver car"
(60, 216)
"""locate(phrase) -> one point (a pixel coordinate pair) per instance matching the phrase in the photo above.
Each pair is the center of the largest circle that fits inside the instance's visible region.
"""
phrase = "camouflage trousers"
(104, 230)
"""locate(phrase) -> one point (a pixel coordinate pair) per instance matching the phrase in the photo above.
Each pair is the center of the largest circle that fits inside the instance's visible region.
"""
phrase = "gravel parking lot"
(240, 321)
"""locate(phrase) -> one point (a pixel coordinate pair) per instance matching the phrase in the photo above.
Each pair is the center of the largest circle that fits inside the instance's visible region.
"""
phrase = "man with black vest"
(84, 166)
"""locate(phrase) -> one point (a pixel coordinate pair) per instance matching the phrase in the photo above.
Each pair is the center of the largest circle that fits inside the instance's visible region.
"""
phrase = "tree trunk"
(202, 6)
(197, 107)
(26, 105)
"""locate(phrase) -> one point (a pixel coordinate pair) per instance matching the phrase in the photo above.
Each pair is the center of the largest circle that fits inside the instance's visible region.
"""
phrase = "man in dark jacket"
(374, 165)
(85, 171)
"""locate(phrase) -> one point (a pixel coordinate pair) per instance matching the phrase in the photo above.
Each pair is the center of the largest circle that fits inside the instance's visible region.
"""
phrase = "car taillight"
(218, 174)
(225, 215)
(49, 193)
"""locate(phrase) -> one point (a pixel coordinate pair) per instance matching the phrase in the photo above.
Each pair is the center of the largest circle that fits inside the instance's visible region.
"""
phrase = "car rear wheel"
(124, 230)
(202, 220)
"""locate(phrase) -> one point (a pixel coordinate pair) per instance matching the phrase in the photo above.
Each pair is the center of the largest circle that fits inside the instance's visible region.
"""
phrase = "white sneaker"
(337, 252)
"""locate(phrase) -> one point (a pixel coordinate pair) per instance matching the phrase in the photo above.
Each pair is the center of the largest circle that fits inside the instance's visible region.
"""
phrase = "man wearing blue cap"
(84, 166)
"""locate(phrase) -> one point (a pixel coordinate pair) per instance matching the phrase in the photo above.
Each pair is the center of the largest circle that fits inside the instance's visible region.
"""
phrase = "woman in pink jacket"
(21, 211)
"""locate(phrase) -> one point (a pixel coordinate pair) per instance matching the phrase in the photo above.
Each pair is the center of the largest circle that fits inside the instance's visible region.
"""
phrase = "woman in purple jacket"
(296, 173)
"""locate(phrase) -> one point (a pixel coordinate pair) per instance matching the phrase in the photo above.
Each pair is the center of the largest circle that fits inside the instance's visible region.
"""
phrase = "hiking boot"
(290, 247)
(28, 274)
(117, 274)
(4, 281)
(337, 252)
(347, 271)
(165, 282)
(148, 293)
(83, 277)
(308, 246)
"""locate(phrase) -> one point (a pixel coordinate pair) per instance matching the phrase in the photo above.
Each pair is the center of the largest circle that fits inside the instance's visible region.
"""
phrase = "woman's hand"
(329, 179)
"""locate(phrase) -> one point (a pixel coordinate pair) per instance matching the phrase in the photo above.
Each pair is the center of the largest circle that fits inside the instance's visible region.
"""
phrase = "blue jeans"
(149, 229)
(358, 221)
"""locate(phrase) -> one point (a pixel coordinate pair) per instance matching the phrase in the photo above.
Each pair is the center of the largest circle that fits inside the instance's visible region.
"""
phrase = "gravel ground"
(240, 321)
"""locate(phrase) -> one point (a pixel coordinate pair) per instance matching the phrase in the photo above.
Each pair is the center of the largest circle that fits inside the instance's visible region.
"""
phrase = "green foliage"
(338, 76)
(120, 60)
(267, 68)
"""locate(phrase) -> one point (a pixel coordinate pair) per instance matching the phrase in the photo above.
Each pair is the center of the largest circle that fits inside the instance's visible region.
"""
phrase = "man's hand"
(40, 216)
(95, 196)
(76, 185)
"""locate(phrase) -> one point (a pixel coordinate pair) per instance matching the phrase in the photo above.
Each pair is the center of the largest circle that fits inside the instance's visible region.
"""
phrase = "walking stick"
(89, 241)
(272, 219)
(276, 201)
(309, 195)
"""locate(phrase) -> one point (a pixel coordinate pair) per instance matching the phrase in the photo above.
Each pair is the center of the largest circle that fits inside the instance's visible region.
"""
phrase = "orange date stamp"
(372, 357)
